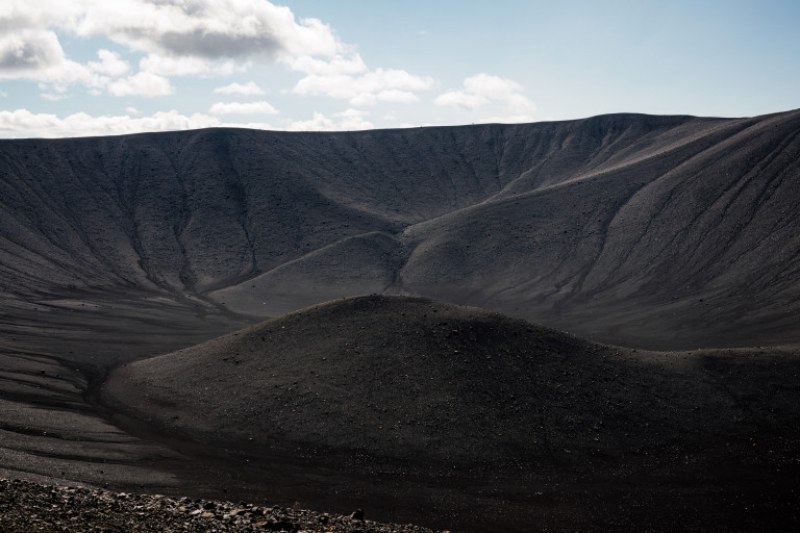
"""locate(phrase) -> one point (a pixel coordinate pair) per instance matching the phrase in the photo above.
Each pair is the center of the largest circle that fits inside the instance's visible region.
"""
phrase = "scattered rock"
(34, 508)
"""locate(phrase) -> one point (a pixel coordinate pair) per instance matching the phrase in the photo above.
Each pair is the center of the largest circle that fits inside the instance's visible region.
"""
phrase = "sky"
(102, 67)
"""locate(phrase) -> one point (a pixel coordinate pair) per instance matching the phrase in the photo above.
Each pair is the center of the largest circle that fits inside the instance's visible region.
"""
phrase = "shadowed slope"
(614, 227)
(655, 231)
(364, 263)
(688, 247)
(458, 417)
(436, 384)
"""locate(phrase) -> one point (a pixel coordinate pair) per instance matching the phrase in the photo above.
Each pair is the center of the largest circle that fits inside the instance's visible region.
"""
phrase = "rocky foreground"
(32, 507)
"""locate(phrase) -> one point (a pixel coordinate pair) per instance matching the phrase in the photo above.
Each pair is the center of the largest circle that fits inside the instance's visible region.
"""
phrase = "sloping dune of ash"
(363, 385)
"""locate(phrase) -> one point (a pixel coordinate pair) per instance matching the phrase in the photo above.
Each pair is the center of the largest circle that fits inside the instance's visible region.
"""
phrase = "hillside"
(652, 231)
(413, 391)
(420, 381)
(457, 299)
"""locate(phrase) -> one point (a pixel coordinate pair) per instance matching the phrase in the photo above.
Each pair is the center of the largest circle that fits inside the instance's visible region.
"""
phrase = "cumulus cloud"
(347, 77)
(190, 65)
(461, 99)
(493, 87)
(208, 37)
(483, 89)
(141, 84)
(351, 119)
(189, 37)
(29, 51)
(178, 37)
(369, 88)
(23, 123)
(110, 64)
(247, 89)
(242, 108)
(147, 42)
(207, 28)
(337, 65)
(37, 55)
(53, 97)
(18, 15)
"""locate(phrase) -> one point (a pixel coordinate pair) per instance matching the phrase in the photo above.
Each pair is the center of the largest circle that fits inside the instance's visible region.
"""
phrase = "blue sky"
(88, 67)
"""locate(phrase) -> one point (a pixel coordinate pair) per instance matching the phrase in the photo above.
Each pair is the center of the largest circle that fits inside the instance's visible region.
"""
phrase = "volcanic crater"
(586, 324)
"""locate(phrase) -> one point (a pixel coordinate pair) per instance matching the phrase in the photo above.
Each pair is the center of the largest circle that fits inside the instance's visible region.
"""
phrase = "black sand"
(655, 233)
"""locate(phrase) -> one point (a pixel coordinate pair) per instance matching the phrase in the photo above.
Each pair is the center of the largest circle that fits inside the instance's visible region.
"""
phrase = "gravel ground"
(32, 507)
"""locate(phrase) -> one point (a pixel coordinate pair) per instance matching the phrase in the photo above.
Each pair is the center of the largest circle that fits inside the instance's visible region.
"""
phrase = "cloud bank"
(247, 89)
(22, 123)
(189, 37)
(141, 52)
(482, 89)
(242, 108)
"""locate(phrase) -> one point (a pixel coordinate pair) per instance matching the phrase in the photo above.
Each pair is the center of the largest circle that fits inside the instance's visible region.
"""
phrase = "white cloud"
(347, 77)
(36, 55)
(189, 37)
(53, 97)
(461, 99)
(351, 119)
(170, 38)
(27, 51)
(23, 123)
(336, 65)
(140, 84)
(209, 29)
(483, 89)
(252, 125)
(380, 85)
(132, 110)
(172, 66)
(18, 15)
(395, 95)
(318, 122)
(247, 89)
(110, 64)
(506, 119)
(178, 37)
(493, 87)
(165, 65)
(242, 108)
